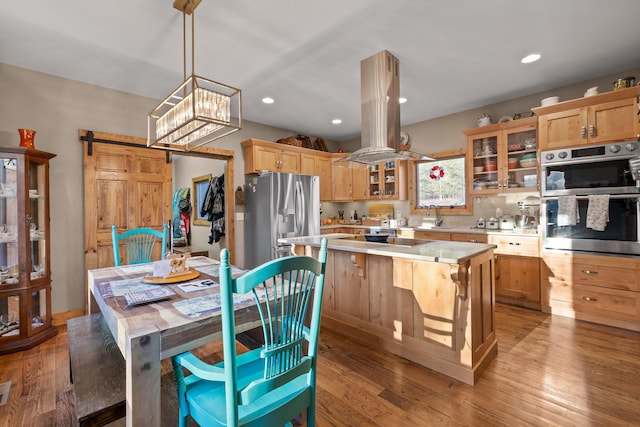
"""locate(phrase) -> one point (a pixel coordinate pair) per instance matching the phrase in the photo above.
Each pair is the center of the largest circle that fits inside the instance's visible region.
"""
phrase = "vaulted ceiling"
(454, 55)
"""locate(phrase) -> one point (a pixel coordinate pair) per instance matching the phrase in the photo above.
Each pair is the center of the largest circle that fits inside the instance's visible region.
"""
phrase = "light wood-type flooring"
(550, 371)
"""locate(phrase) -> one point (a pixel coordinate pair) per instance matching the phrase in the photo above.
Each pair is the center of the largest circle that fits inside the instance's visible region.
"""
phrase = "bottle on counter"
(355, 215)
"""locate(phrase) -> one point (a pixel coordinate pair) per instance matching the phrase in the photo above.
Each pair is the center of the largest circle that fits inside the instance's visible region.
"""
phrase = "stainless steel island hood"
(380, 93)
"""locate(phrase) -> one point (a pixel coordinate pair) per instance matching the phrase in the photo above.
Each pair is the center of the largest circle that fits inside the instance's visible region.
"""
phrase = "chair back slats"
(284, 290)
(139, 244)
(271, 385)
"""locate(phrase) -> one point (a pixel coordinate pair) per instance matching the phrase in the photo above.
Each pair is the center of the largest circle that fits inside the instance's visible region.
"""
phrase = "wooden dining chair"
(273, 384)
(139, 244)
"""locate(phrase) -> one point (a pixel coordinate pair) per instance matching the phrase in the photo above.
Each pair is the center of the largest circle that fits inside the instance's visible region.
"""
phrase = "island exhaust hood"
(380, 93)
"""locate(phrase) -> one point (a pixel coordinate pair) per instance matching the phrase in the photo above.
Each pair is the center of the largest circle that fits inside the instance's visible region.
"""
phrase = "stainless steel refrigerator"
(278, 205)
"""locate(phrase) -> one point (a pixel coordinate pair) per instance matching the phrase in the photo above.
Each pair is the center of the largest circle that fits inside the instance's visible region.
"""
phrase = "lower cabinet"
(597, 288)
(517, 270)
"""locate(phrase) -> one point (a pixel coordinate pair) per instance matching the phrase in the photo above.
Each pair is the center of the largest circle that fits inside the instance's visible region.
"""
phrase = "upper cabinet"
(349, 184)
(262, 156)
(503, 157)
(337, 183)
(388, 180)
(598, 119)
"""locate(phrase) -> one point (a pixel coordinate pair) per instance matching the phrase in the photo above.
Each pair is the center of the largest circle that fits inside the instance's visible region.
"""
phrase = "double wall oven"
(583, 172)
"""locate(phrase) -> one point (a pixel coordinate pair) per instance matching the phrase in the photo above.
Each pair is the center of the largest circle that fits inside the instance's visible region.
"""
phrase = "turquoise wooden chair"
(273, 384)
(139, 243)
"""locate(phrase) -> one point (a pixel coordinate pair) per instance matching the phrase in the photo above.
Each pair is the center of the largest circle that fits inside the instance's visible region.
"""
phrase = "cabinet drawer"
(431, 235)
(469, 237)
(515, 245)
(606, 276)
(596, 300)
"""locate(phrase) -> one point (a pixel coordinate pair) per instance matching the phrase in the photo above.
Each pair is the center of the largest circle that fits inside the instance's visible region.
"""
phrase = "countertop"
(470, 230)
(432, 250)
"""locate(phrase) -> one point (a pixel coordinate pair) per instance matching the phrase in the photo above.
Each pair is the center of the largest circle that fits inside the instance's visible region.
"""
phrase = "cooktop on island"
(398, 241)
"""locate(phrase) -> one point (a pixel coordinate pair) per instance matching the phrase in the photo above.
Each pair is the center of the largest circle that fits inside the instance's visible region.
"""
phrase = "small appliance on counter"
(506, 222)
(492, 224)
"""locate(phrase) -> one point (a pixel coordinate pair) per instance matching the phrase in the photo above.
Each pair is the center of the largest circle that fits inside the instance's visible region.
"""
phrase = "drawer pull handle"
(514, 243)
(589, 299)
(590, 272)
(473, 241)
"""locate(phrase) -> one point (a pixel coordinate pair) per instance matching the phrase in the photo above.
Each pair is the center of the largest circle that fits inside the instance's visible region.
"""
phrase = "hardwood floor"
(550, 371)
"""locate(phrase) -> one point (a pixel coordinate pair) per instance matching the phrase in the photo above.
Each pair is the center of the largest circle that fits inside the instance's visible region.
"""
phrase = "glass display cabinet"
(25, 278)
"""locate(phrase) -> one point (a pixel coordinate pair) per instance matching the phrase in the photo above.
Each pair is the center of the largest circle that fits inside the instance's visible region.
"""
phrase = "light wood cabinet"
(469, 237)
(597, 288)
(388, 180)
(517, 269)
(270, 156)
(319, 165)
(497, 157)
(25, 259)
(348, 184)
(259, 157)
(609, 117)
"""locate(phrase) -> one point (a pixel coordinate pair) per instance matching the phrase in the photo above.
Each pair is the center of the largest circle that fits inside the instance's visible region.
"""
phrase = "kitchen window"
(442, 182)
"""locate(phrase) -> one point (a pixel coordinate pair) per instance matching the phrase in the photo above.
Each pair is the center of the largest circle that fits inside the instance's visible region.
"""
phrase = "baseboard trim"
(60, 319)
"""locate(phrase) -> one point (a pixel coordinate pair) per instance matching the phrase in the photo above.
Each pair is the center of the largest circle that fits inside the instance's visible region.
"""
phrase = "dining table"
(148, 333)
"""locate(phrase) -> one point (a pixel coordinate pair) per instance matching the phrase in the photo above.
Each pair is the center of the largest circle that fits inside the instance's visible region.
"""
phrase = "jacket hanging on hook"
(213, 208)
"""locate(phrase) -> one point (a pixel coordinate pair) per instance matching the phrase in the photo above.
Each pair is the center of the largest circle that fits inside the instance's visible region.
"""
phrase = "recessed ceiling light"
(402, 100)
(532, 57)
(268, 100)
(336, 121)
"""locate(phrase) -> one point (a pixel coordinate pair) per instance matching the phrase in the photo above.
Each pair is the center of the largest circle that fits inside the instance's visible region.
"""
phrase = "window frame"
(467, 209)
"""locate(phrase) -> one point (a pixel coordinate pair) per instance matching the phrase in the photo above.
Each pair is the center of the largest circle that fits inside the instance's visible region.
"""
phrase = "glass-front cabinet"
(503, 157)
(25, 279)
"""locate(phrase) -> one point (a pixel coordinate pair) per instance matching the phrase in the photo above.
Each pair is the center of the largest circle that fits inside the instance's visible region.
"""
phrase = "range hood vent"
(380, 93)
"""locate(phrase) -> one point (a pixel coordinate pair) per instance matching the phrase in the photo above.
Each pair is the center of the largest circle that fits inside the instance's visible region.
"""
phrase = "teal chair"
(273, 384)
(139, 243)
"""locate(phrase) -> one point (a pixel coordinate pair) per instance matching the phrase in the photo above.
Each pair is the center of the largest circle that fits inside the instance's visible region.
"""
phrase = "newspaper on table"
(210, 304)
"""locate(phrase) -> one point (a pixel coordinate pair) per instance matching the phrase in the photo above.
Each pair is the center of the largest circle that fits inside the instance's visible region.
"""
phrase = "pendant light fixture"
(198, 111)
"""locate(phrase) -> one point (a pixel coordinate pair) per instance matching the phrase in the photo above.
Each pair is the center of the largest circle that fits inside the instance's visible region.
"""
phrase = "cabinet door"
(483, 154)
(308, 165)
(360, 184)
(341, 183)
(265, 159)
(612, 121)
(323, 170)
(518, 277)
(289, 162)
(562, 129)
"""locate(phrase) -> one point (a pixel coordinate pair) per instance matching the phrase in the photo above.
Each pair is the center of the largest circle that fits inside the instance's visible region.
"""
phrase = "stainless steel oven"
(600, 169)
(620, 236)
(583, 172)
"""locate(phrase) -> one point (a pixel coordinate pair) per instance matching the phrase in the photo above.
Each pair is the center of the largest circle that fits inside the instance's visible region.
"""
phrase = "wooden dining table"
(148, 333)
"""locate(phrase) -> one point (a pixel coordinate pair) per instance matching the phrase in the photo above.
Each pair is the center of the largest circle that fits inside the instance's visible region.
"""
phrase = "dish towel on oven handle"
(568, 211)
(598, 212)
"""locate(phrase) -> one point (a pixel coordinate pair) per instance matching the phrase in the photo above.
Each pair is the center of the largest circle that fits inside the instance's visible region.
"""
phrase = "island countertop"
(431, 250)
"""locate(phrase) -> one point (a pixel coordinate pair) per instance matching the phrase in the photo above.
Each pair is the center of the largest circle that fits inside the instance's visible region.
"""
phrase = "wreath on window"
(436, 173)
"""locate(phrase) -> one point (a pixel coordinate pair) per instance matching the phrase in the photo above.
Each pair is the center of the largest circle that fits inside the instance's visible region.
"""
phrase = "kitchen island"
(431, 302)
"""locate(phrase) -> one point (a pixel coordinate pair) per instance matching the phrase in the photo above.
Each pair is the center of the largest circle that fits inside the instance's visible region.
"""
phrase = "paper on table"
(213, 270)
(117, 288)
(197, 285)
(210, 304)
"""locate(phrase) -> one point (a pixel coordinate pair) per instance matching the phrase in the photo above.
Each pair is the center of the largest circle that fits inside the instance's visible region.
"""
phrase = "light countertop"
(469, 230)
(432, 250)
